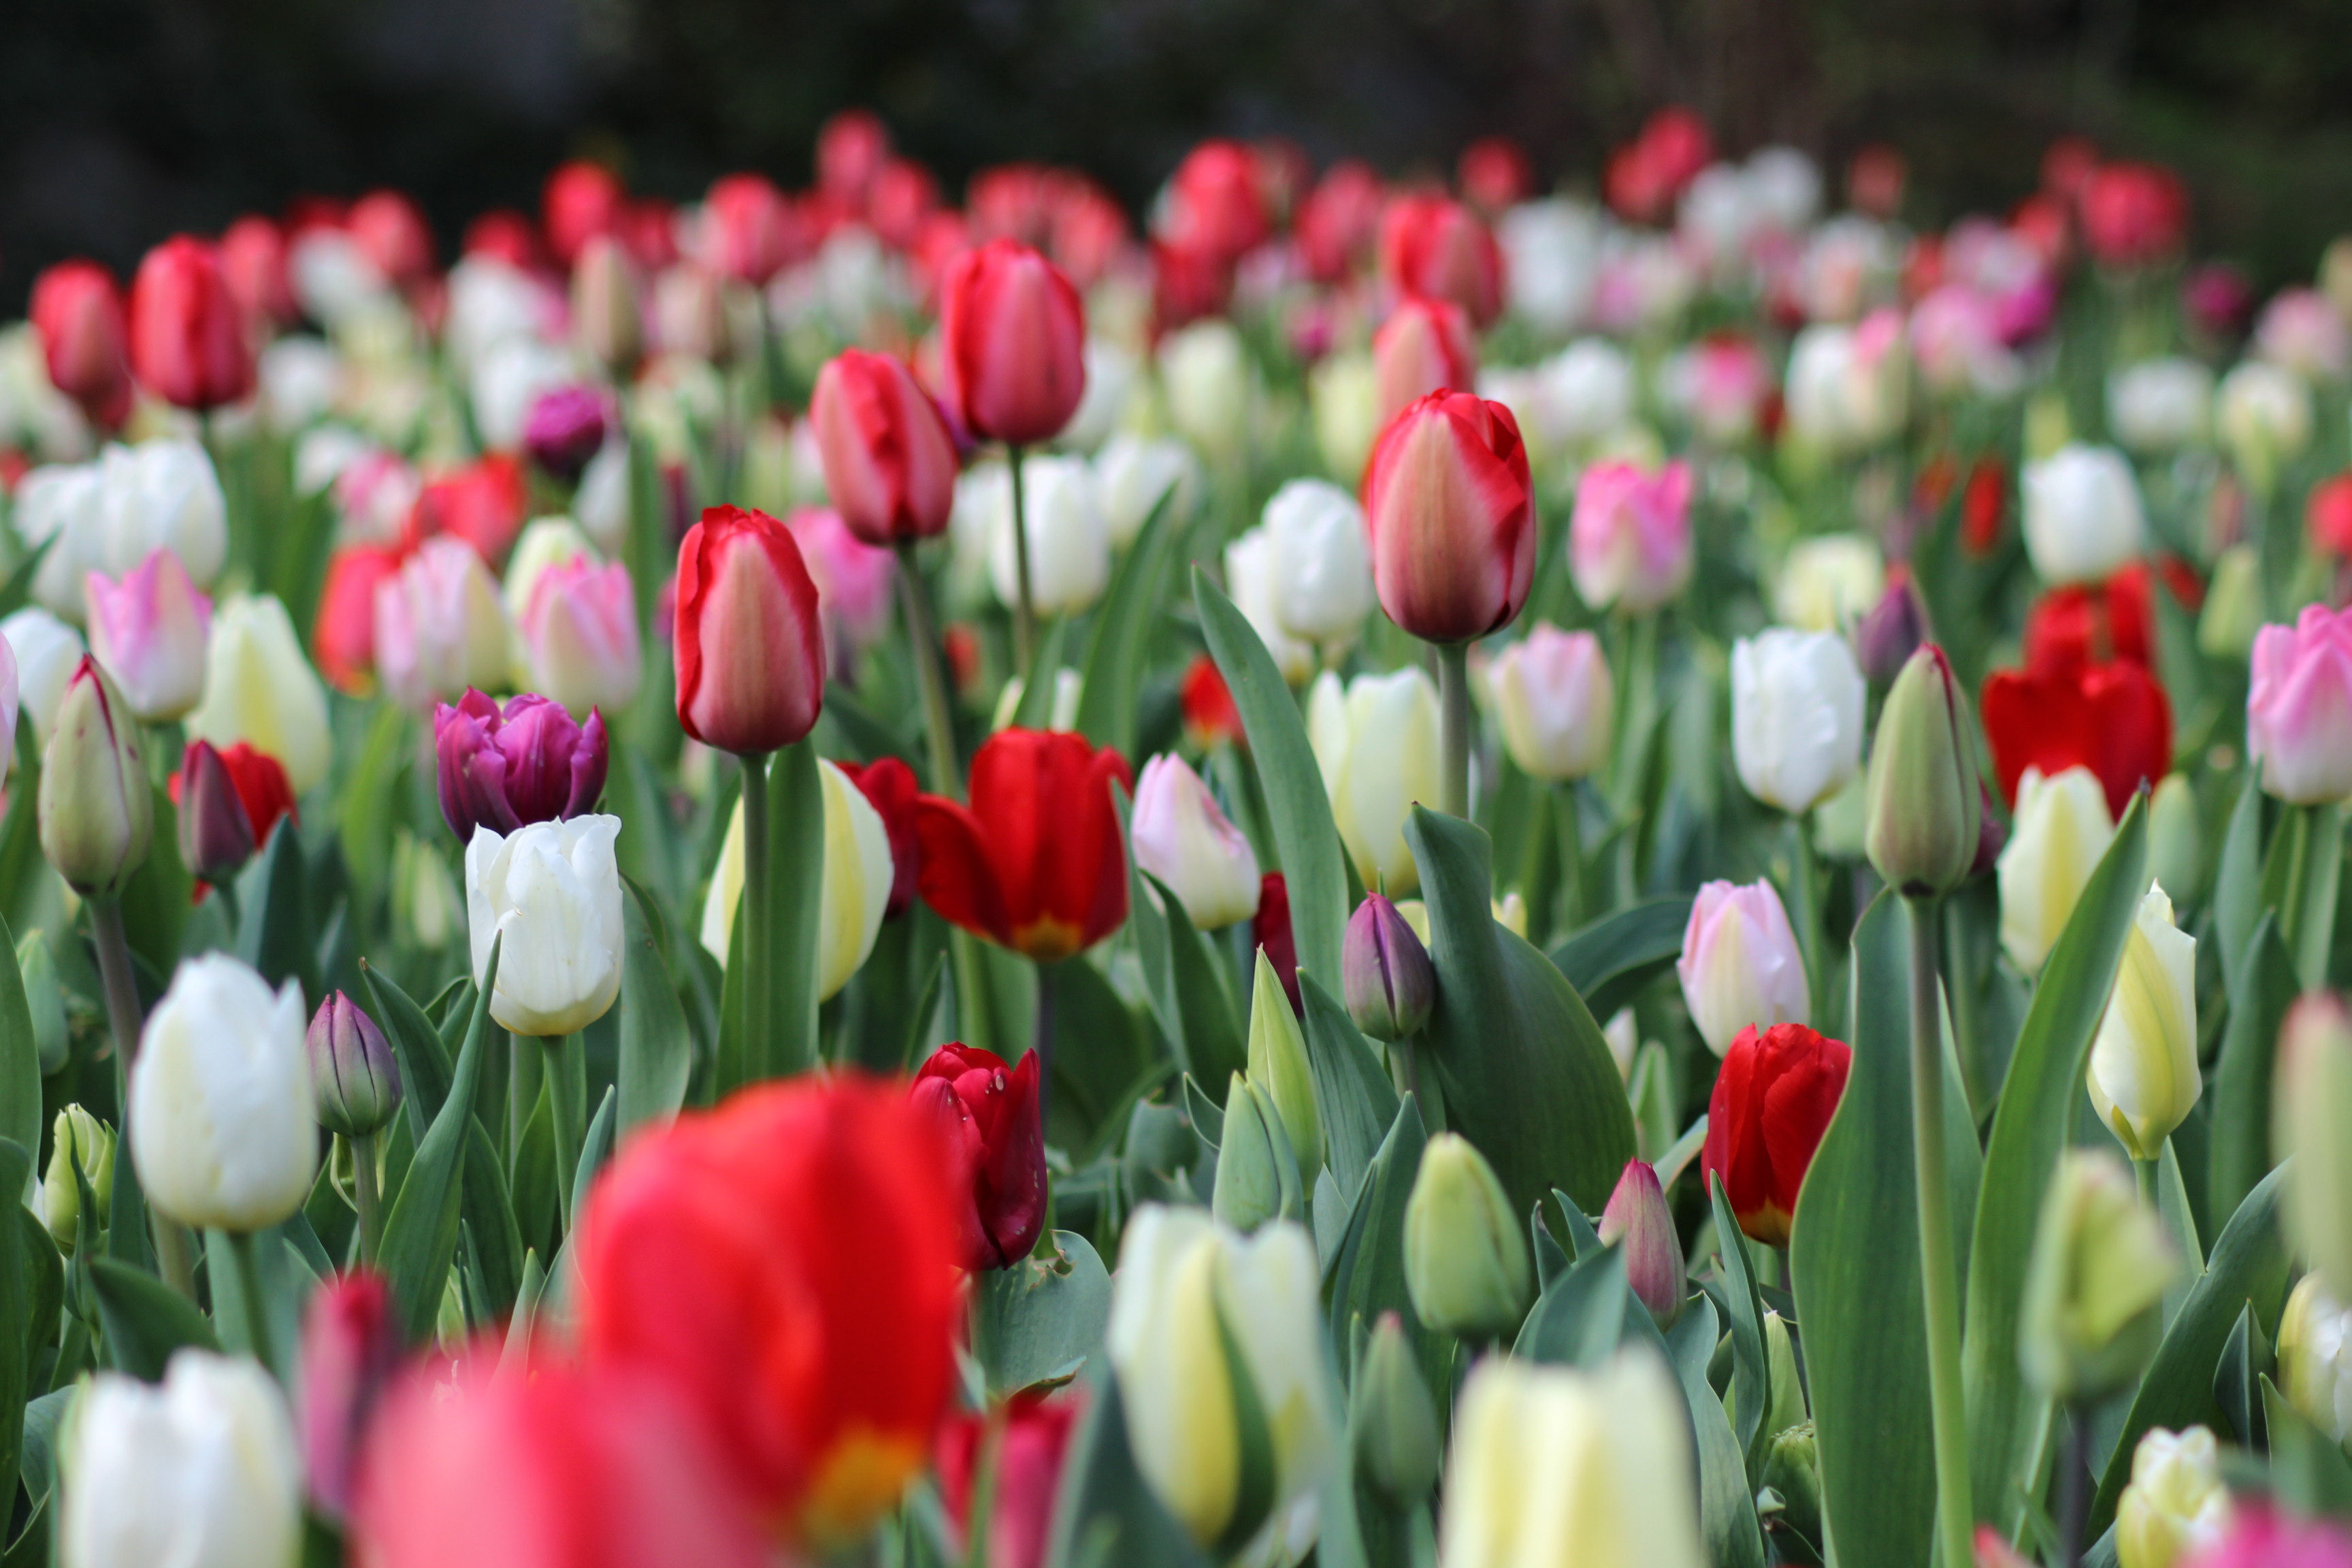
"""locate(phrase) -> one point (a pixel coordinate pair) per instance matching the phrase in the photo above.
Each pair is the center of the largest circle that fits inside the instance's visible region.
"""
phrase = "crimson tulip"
(77, 312)
(748, 640)
(889, 464)
(2083, 623)
(253, 260)
(390, 232)
(1450, 512)
(342, 634)
(580, 201)
(1646, 176)
(503, 768)
(1036, 862)
(1434, 247)
(746, 228)
(1013, 343)
(1215, 207)
(187, 338)
(1271, 934)
(851, 150)
(1187, 286)
(1984, 506)
(229, 800)
(1424, 346)
(1339, 220)
(994, 1127)
(905, 196)
(1773, 1099)
(888, 786)
(1495, 172)
(483, 503)
(1029, 1438)
(787, 1264)
(350, 1349)
(1089, 232)
(505, 235)
(2112, 719)
(2326, 516)
(2134, 215)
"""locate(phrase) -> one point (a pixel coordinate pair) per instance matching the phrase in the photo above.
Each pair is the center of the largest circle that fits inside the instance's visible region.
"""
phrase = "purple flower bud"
(350, 1349)
(351, 1069)
(215, 834)
(1384, 971)
(530, 762)
(564, 429)
(1991, 837)
(1637, 1215)
(1886, 635)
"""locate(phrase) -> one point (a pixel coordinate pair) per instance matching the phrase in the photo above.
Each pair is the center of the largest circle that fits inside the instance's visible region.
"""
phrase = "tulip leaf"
(420, 1234)
(1751, 1365)
(19, 1309)
(20, 1058)
(2030, 1128)
(595, 1153)
(1725, 1506)
(1114, 657)
(1039, 1320)
(43, 1418)
(1306, 840)
(276, 933)
(1104, 1510)
(1034, 710)
(416, 1046)
(1581, 1316)
(1212, 1043)
(1367, 1277)
(2239, 1154)
(20, 844)
(496, 1239)
(45, 1284)
(1612, 958)
(657, 1049)
(2249, 1270)
(156, 900)
(648, 851)
(1354, 1101)
(145, 1320)
(536, 1205)
(1101, 1049)
(1524, 1071)
(2299, 880)
(2238, 884)
(785, 1042)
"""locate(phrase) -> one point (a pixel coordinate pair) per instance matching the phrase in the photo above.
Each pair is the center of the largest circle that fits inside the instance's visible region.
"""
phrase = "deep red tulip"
(1035, 863)
(1028, 1439)
(187, 337)
(1187, 286)
(505, 235)
(851, 150)
(1211, 719)
(1495, 172)
(888, 786)
(1424, 346)
(1451, 515)
(392, 234)
(77, 311)
(1013, 343)
(1214, 207)
(229, 800)
(528, 761)
(343, 636)
(1433, 247)
(2083, 623)
(253, 260)
(2326, 516)
(1773, 1099)
(787, 1264)
(1339, 220)
(1009, 202)
(2134, 215)
(745, 228)
(2112, 719)
(1270, 934)
(1984, 506)
(580, 201)
(483, 503)
(749, 644)
(889, 464)
(648, 227)
(350, 1349)
(995, 1129)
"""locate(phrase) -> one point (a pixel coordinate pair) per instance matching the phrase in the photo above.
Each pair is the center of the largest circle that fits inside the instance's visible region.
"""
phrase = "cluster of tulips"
(1394, 873)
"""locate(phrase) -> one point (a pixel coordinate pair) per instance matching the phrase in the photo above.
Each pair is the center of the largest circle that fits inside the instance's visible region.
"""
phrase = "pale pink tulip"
(2299, 711)
(1740, 965)
(1629, 540)
(440, 625)
(148, 631)
(855, 580)
(580, 631)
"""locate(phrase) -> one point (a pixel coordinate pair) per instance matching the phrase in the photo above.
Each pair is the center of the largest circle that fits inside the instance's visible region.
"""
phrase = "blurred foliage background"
(123, 119)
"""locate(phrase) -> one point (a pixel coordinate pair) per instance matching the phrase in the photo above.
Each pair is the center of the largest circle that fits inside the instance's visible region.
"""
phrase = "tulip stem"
(2074, 1495)
(2146, 1171)
(1453, 727)
(252, 1308)
(566, 1089)
(1939, 1287)
(930, 674)
(1024, 614)
(175, 1253)
(754, 900)
(366, 1196)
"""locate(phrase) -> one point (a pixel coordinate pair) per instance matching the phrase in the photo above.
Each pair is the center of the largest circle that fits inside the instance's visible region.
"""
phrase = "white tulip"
(2056, 837)
(1133, 473)
(301, 377)
(1585, 394)
(490, 301)
(510, 376)
(2263, 414)
(259, 688)
(2083, 516)
(1252, 579)
(1551, 256)
(552, 890)
(2176, 1507)
(1376, 743)
(1069, 544)
(1849, 387)
(1554, 702)
(1343, 399)
(224, 1121)
(1740, 964)
(602, 501)
(2142, 1078)
(2314, 1357)
(1182, 838)
(332, 279)
(544, 542)
(45, 651)
(1829, 581)
(2160, 406)
(1796, 700)
(1785, 187)
(855, 883)
(1205, 371)
(1322, 573)
(110, 515)
(64, 502)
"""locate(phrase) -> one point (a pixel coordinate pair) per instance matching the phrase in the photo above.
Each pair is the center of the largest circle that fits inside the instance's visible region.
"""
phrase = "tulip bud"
(440, 625)
(1181, 838)
(1070, 542)
(607, 312)
(2314, 1357)
(1278, 1065)
(1450, 511)
(1465, 1256)
(2056, 839)
(1792, 1467)
(79, 1142)
(2176, 838)
(353, 1067)
(889, 464)
(1637, 1215)
(552, 890)
(1393, 1418)
(1924, 822)
(1424, 346)
(2143, 1077)
(750, 646)
(1770, 1107)
(187, 341)
(2233, 615)
(45, 998)
(97, 814)
(149, 632)
(1885, 638)
(1343, 397)
(1740, 965)
(2082, 515)
(215, 834)
(1024, 1441)
(1375, 743)
(1555, 702)
(992, 1119)
(1013, 343)
(2175, 1506)
(350, 1349)
(580, 632)
(2311, 1098)
(2095, 1284)
(1257, 1171)
(1206, 377)
(564, 431)
(1384, 971)
(1787, 1408)
(2299, 707)
(1797, 701)
(77, 314)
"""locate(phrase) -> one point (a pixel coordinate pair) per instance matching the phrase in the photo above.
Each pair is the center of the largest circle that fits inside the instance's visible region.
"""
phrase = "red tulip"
(1013, 338)
(483, 503)
(888, 786)
(1187, 286)
(1035, 863)
(1984, 504)
(187, 341)
(889, 464)
(1089, 231)
(1435, 247)
(787, 1264)
(77, 312)
(994, 1127)
(229, 800)
(1646, 176)
(2134, 215)
(1339, 220)
(1424, 346)
(2111, 719)
(749, 644)
(1495, 172)
(504, 235)
(1270, 934)
(253, 260)
(392, 234)
(580, 201)
(1214, 207)
(905, 195)
(2082, 624)
(1211, 719)
(2218, 299)
(851, 150)
(1773, 1099)
(648, 227)
(746, 228)
(1028, 1440)
(351, 1348)
(1450, 516)
(342, 635)
(1009, 202)
(2326, 516)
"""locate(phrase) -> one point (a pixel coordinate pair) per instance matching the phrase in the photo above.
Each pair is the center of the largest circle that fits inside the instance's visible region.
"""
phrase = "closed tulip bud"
(1385, 975)
(1796, 700)
(552, 890)
(1771, 1105)
(890, 463)
(1829, 581)
(1013, 343)
(2056, 841)
(749, 644)
(1259, 1175)
(353, 1067)
(1890, 632)
(200, 1471)
(1019, 1448)
(2310, 1098)
(1638, 1217)
(1450, 512)
(1181, 838)
(1394, 1420)
(1375, 741)
(2175, 1506)
(79, 1142)
(2143, 1076)
(217, 837)
(1628, 539)
(1555, 702)
(1424, 346)
(2299, 708)
(857, 881)
(991, 1114)
(564, 431)
(1322, 580)
(1740, 965)
(223, 1127)
(1925, 800)
(2314, 1357)
(1343, 399)
(1433, 247)
(1465, 1252)
(188, 336)
(97, 811)
(78, 314)
(1253, 578)
(2093, 1308)
(1133, 474)
(258, 688)
(1277, 1066)
(45, 999)
(607, 306)
(580, 630)
(2233, 615)
(1204, 371)
(148, 631)
(350, 1350)
(1792, 1467)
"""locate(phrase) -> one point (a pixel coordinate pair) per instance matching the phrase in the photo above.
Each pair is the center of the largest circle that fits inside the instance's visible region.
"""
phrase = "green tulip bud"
(44, 998)
(1465, 1254)
(2095, 1284)
(1394, 1419)
(2176, 838)
(1257, 1175)
(2311, 1098)
(2233, 605)
(1926, 812)
(79, 1140)
(1792, 1469)
(96, 808)
(1278, 1064)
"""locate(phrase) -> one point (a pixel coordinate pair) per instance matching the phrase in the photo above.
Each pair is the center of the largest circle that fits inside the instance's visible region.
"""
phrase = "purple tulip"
(532, 763)
(564, 429)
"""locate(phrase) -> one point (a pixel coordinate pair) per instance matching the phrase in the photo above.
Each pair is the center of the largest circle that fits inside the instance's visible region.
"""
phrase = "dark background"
(123, 119)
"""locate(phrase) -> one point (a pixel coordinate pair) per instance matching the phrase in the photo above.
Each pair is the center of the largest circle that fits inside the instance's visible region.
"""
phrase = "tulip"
(1740, 966)
(889, 465)
(111, 515)
(260, 690)
(1210, 718)
(2134, 215)
(1113, 376)
(199, 1472)
(992, 1124)
(2143, 1077)
(149, 632)
(1343, 399)
(1204, 371)
(2083, 516)
(1629, 540)
(1278, 1065)
(223, 1117)
(1848, 387)
(1254, 579)
(2301, 331)
(1195, 1309)
(855, 582)
(1829, 580)
(1182, 838)
(2073, 628)
(1424, 346)
(1376, 748)
(749, 646)
(1213, 203)
(711, 1254)
(97, 811)
(1271, 934)
(2299, 709)
(482, 503)
(254, 264)
(580, 631)
(1133, 474)
(858, 877)
(2060, 832)
(228, 801)
(607, 306)
(350, 1351)
(344, 632)
(1637, 1217)
(1021, 1452)
(187, 338)
(746, 228)
(1773, 1101)
(1322, 582)
(545, 544)
(1465, 1252)
(2311, 1088)
(81, 1146)
(2233, 605)
(2175, 1504)
(1554, 702)
(2160, 406)
(888, 786)
(440, 625)
(2094, 1283)
(564, 431)
(353, 1067)
(552, 891)
(1796, 700)
(1013, 343)
(78, 314)
(2112, 720)
(1392, 1419)
(1450, 513)
(2262, 1537)
(1434, 248)
(1890, 632)
(1035, 862)
(1384, 971)
(1926, 819)
(528, 763)
(43, 654)
(2314, 1357)
(2263, 414)
(1550, 1465)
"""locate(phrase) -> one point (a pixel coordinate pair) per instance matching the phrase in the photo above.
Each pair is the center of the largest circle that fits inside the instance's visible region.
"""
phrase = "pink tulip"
(749, 638)
(1729, 381)
(854, 580)
(1424, 346)
(1740, 966)
(78, 314)
(1629, 540)
(2299, 711)
(580, 631)
(2261, 1538)
(351, 1348)
(2301, 331)
(1450, 514)
(1013, 341)
(187, 334)
(149, 632)
(440, 625)
(746, 228)
(890, 463)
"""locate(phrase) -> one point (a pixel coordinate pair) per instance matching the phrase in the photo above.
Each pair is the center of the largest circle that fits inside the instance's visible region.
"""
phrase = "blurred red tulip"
(504, 235)
(342, 635)
(2066, 164)
(350, 1349)
(744, 224)
(2112, 719)
(1436, 249)
(2134, 215)
(1984, 506)
(748, 640)
(851, 150)
(187, 340)
(1009, 201)
(1187, 286)
(1646, 176)
(484, 503)
(2087, 623)
(580, 201)
(1424, 346)
(1495, 172)
(78, 314)
(1214, 207)
(1089, 231)
(889, 464)
(392, 234)
(1339, 220)
(1874, 180)
(2328, 516)
(253, 260)
(888, 786)
(1020, 1449)
(1773, 1099)
(905, 193)
(1210, 717)
(1013, 340)
(994, 1125)
(1450, 513)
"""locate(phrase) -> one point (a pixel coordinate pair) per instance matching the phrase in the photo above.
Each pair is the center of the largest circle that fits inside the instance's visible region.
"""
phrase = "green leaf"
(1581, 1316)
(1367, 1277)
(1036, 708)
(1113, 666)
(2030, 1128)
(45, 1286)
(1752, 1366)
(415, 1044)
(594, 1150)
(2308, 1470)
(1354, 1101)
(367, 800)
(156, 900)
(144, 1319)
(20, 1058)
(1726, 1511)
(1039, 1320)
(1100, 1048)
(18, 1304)
(656, 1049)
(2239, 1153)
(787, 1043)
(1615, 956)
(648, 852)
(1214, 1043)
(43, 1417)
(1524, 1070)
(420, 1234)
(2299, 880)
(2238, 883)
(497, 1247)
(276, 935)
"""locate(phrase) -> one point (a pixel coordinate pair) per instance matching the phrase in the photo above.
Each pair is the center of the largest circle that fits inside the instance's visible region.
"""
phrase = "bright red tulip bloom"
(1214, 205)
(342, 634)
(1433, 247)
(748, 641)
(746, 228)
(77, 311)
(187, 337)
(1495, 172)
(2112, 719)
(253, 260)
(995, 1131)
(2083, 623)
(1984, 506)
(1450, 513)
(580, 201)
(2134, 215)
(888, 786)
(392, 234)
(1187, 286)
(350, 1349)
(1773, 1099)
(1013, 339)
(2326, 516)
(890, 463)
(1035, 863)
(1646, 176)
(1339, 220)
(787, 1264)
(1211, 716)
(905, 195)
(1424, 346)
(1089, 231)
(1030, 1437)
(504, 235)
(851, 150)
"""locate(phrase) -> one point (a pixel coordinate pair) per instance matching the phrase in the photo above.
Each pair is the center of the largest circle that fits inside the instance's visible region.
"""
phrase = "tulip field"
(1626, 869)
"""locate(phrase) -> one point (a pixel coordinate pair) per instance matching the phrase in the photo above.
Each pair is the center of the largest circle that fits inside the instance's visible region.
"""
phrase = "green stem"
(523, 1096)
(1939, 1289)
(368, 1195)
(176, 1250)
(2146, 1171)
(930, 673)
(1568, 815)
(1453, 728)
(249, 1288)
(759, 1045)
(566, 1091)
(1024, 614)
